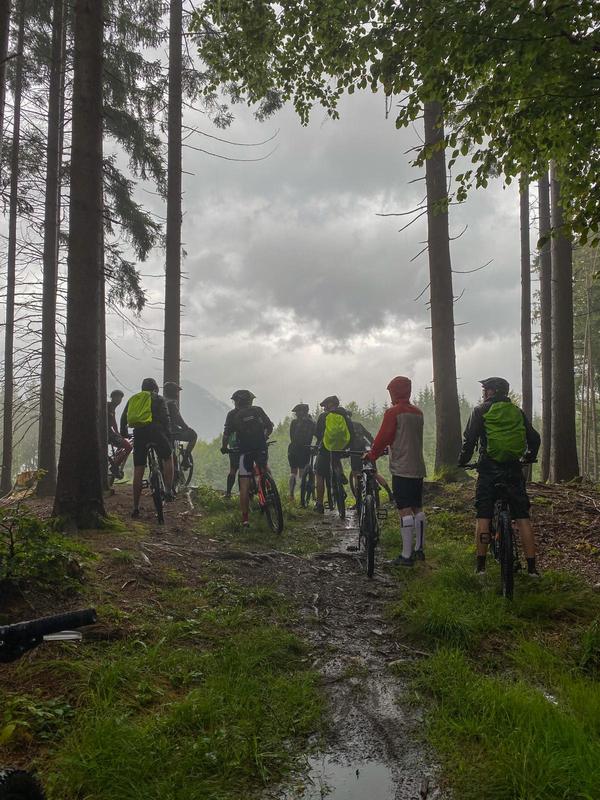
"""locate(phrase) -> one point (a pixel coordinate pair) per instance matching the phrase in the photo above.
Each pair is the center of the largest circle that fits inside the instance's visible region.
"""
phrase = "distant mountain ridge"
(202, 410)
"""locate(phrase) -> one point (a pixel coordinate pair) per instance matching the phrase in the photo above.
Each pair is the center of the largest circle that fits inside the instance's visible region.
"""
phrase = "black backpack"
(250, 427)
(303, 431)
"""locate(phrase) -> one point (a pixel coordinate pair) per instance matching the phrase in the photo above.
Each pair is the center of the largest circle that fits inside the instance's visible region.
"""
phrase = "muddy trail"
(374, 742)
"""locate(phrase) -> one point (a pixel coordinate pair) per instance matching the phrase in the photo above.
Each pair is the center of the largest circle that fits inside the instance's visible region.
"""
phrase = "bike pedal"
(352, 548)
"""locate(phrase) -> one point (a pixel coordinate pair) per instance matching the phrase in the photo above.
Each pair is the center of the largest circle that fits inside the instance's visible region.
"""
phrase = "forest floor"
(231, 664)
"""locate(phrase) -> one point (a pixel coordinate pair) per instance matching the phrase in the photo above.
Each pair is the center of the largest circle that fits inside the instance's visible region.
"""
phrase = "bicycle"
(369, 513)
(15, 641)
(263, 485)
(155, 482)
(183, 475)
(336, 494)
(503, 545)
(307, 484)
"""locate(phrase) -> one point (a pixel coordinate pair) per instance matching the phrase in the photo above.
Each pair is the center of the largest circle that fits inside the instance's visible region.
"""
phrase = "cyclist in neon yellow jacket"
(146, 412)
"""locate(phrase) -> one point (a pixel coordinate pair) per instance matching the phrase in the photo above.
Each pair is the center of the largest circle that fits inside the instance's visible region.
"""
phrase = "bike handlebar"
(17, 639)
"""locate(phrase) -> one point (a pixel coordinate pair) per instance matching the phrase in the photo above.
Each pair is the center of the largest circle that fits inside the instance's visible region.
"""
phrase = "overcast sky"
(296, 289)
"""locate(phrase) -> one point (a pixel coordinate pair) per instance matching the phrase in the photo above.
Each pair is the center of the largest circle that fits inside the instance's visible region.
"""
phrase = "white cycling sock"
(407, 527)
(420, 526)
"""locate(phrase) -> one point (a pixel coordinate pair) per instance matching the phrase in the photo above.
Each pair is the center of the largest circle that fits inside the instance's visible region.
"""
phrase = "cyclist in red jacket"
(402, 431)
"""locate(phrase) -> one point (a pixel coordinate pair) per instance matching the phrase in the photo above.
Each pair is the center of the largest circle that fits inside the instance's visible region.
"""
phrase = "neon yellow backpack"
(139, 410)
(337, 435)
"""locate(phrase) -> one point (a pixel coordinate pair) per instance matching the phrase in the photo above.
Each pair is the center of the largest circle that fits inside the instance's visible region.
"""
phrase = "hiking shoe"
(419, 555)
(479, 571)
(319, 508)
(169, 497)
(245, 524)
(533, 573)
(400, 561)
(135, 514)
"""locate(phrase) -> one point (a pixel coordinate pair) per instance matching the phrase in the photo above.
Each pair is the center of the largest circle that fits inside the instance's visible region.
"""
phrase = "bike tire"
(369, 522)
(273, 508)
(507, 555)
(339, 496)
(185, 475)
(307, 488)
(16, 784)
(156, 489)
(329, 493)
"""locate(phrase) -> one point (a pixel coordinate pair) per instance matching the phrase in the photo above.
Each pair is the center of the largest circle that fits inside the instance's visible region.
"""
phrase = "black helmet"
(242, 395)
(301, 408)
(117, 393)
(149, 385)
(332, 400)
(170, 388)
(497, 385)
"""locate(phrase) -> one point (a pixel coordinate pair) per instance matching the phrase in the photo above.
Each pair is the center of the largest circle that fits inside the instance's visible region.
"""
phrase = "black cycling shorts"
(184, 435)
(234, 461)
(298, 455)
(152, 433)
(486, 493)
(408, 492)
(323, 460)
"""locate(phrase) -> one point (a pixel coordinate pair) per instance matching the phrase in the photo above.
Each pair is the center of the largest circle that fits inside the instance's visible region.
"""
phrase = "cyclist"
(506, 438)
(333, 432)
(362, 440)
(402, 431)
(252, 428)
(180, 431)
(123, 446)
(146, 412)
(302, 430)
(234, 458)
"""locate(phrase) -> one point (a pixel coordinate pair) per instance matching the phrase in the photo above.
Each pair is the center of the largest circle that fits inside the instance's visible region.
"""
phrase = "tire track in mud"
(374, 743)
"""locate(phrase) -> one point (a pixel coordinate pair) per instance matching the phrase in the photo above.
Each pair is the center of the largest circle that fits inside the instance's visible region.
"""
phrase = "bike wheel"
(307, 487)
(507, 556)
(329, 493)
(273, 507)
(156, 487)
(185, 475)
(339, 496)
(369, 525)
(19, 785)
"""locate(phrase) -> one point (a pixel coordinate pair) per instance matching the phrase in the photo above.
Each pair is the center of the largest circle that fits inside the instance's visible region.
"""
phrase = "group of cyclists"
(498, 428)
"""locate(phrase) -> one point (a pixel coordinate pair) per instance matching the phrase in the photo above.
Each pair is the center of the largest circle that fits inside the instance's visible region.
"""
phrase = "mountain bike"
(368, 512)
(263, 486)
(307, 484)
(336, 494)
(15, 641)
(183, 475)
(155, 482)
(503, 545)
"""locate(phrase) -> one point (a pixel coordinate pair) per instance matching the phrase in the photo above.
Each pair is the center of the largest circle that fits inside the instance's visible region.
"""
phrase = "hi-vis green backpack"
(505, 430)
(337, 435)
(139, 410)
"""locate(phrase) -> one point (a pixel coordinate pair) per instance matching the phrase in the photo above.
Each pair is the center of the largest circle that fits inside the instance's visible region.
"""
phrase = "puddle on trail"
(357, 781)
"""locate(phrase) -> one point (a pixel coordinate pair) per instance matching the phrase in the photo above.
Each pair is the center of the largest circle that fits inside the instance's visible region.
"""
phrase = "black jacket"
(475, 434)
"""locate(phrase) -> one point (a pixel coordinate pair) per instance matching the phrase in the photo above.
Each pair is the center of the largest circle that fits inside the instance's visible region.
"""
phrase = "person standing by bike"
(506, 439)
(302, 430)
(333, 432)
(180, 430)
(402, 431)
(252, 428)
(123, 446)
(146, 412)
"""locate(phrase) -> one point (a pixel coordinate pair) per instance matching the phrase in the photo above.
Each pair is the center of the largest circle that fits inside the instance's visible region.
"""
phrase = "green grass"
(511, 688)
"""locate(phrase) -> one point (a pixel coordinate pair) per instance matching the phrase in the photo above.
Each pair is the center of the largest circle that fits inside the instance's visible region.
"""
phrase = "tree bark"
(563, 452)
(172, 335)
(447, 409)
(526, 366)
(545, 322)
(4, 33)
(9, 328)
(79, 484)
(47, 433)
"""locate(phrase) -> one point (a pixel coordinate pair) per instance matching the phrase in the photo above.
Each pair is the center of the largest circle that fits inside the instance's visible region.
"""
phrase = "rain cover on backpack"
(139, 410)
(337, 434)
(505, 431)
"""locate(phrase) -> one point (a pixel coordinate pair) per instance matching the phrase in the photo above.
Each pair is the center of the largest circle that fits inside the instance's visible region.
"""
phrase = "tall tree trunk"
(102, 392)
(545, 321)
(563, 453)
(47, 433)
(79, 483)
(526, 367)
(4, 33)
(172, 341)
(9, 328)
(447, 410)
